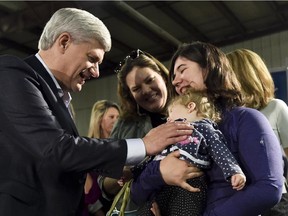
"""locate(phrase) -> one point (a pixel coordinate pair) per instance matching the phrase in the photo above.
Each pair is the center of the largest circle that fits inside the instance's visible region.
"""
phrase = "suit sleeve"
(30, 126)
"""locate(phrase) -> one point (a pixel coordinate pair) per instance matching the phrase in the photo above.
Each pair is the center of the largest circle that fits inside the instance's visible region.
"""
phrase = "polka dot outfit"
(206, 144)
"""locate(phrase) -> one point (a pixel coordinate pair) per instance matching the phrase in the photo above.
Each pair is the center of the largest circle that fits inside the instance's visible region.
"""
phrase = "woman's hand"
(112, 186)
(175, 171)
(127, 176)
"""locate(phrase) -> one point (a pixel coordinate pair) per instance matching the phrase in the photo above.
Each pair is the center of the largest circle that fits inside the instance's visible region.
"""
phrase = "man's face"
(81, 62)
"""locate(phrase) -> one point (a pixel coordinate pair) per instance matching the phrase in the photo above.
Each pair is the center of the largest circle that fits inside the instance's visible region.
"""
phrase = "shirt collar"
(65, 95)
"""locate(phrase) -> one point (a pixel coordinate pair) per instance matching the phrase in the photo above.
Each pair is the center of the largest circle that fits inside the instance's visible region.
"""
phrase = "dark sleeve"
(30, 129)
(147, 183)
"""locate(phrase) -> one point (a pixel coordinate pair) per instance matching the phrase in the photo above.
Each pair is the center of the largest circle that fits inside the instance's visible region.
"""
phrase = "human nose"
(145, 89)
(89, 72)
(176, 80)
(94, 70)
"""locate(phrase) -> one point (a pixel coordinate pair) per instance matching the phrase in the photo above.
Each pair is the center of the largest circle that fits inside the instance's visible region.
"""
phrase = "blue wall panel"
(280, 80)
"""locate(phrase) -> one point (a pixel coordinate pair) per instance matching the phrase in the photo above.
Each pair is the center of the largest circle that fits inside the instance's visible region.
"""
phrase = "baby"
(205, 146)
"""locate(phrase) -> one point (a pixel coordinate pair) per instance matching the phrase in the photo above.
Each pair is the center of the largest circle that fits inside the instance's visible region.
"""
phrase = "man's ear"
(191, 106)
(63, 41)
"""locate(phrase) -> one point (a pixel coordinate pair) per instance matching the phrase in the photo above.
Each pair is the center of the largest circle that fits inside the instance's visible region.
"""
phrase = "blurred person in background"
(104, 114)
(258, 92)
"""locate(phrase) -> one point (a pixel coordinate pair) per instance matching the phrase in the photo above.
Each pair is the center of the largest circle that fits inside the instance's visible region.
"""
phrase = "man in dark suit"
(43, 160)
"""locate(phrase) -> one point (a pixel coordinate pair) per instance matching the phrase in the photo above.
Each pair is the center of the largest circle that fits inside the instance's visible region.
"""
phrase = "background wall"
(272, 48)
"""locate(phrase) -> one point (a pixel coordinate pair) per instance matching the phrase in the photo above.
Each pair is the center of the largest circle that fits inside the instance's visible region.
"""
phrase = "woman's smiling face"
(188, 74)
(148, 88)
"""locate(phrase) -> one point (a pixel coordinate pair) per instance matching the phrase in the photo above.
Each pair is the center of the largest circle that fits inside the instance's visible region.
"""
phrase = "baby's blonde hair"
(204, 107)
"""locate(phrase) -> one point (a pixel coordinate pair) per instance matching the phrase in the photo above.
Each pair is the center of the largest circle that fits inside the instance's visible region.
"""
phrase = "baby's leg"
(145, 209)
(173, 200)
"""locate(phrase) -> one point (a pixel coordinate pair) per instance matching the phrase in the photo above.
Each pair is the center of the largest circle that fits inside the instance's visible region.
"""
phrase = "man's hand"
(175, 171)
(166, 134)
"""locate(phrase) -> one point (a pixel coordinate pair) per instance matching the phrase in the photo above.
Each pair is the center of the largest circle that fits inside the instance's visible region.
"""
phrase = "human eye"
(93, 59)
(150, 79)
(136, 89)
(182, 70)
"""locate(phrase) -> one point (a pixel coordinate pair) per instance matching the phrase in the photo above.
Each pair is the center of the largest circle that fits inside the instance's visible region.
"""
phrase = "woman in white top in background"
(258, 91)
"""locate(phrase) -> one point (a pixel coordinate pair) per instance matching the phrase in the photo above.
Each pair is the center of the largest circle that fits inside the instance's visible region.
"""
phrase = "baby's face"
(177, 111)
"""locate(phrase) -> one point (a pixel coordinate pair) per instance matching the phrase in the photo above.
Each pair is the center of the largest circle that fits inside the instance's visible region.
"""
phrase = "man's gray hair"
(80, 24)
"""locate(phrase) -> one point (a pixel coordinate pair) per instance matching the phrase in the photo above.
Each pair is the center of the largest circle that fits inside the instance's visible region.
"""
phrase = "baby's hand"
(238, 181)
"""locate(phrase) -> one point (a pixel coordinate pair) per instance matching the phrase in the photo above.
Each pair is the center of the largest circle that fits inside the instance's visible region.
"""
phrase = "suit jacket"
(42, 158)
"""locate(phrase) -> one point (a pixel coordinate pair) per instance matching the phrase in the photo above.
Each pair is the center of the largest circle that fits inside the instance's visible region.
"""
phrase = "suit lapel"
(59, 107)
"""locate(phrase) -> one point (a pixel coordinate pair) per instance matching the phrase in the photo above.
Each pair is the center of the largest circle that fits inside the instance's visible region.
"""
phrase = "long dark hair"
(222, 85)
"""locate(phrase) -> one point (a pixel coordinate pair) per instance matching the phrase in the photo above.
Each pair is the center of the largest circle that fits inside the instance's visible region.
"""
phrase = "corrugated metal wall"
(272, 48)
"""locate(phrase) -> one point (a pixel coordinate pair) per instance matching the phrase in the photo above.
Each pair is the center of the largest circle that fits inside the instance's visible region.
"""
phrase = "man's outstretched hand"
(166, 134)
